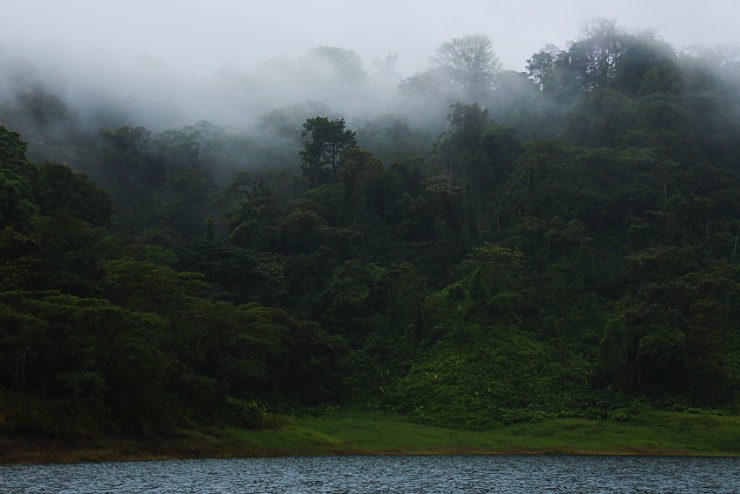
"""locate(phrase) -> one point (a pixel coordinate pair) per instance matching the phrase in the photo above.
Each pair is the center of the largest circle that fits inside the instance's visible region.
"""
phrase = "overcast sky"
(202, 36)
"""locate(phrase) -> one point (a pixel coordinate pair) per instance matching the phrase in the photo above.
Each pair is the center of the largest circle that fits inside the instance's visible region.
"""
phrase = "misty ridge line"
(160, 97)
(151, 93)
(268, 102)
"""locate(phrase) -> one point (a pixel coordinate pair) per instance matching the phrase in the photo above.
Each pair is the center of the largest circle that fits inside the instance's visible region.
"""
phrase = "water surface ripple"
(387, 474)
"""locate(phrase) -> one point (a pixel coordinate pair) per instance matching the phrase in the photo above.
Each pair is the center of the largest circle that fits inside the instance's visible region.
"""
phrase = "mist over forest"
(146, 91)
(466, 245)
(85, 91)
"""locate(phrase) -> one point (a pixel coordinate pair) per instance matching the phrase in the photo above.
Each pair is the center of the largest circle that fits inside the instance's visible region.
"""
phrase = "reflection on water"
(401, 474)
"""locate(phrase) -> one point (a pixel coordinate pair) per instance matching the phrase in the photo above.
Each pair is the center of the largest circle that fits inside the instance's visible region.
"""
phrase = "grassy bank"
(653, 433)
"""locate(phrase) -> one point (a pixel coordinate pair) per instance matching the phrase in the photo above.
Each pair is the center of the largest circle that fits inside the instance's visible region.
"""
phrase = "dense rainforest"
(500, 247)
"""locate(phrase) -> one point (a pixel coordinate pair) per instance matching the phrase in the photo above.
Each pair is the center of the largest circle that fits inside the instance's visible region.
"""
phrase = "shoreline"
(650, 434)
(54, 455)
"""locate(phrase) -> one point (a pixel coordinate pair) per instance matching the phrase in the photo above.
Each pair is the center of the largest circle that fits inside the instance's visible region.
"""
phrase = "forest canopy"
(495, 247)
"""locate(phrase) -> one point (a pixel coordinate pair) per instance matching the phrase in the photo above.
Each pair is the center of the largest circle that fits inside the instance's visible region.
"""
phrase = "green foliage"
(95, 354)
(506, 378)
(12, 148)
(19, 180)
(75, 194)
(234, 273)
(249, 414)
(325, 141)
(590, 273)
(479, 153)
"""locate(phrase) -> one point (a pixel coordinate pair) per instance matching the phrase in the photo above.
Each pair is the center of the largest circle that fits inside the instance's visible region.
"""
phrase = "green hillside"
(563, 246)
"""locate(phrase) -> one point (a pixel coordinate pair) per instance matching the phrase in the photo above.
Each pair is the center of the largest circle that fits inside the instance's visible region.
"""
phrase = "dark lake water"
(394, 474)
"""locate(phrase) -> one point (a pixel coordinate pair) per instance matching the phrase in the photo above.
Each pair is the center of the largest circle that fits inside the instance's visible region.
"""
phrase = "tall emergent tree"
(470, 62)
(325, 141)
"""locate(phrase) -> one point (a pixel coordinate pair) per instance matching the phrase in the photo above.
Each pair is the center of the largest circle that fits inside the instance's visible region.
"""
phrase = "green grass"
(654, 433)
(647, 433)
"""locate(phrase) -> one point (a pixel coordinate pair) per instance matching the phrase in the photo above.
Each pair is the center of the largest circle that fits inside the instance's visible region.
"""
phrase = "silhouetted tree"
(471, 62)
(325, 141)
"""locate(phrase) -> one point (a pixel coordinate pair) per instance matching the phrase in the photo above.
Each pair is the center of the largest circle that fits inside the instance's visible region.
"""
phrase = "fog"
(204, 36)
(170, 63)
